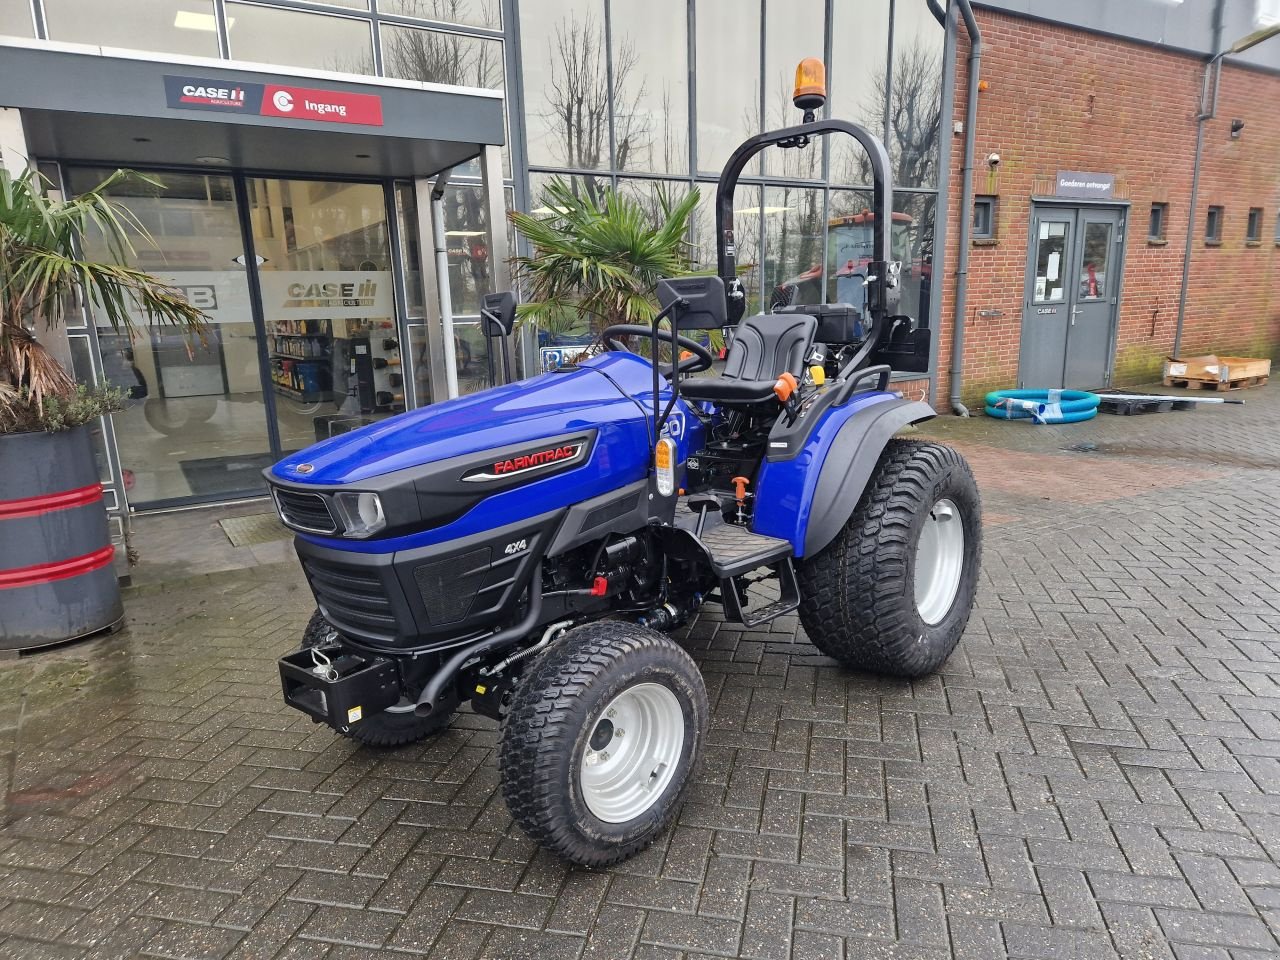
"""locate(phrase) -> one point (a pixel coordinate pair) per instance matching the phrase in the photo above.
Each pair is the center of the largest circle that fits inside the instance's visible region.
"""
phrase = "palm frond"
(599, 256)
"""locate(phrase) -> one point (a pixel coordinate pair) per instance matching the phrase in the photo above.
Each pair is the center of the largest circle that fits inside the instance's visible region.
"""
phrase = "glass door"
(323, 262)
(195, 425)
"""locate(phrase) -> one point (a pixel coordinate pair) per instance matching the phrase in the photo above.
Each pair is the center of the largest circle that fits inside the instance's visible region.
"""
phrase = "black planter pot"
(57, 581)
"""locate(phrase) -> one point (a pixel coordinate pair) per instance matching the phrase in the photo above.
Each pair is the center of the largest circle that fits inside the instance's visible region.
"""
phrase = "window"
(1156, 226)
(1253, 232)
(984, 218)
(1213, 226)
(566, 85)
(170, 26)
(321, 42)
(792, 31)
(15, 18)
(1278, 229)
(435, 57)
(728, 79)
(478, 13)
(650, 94)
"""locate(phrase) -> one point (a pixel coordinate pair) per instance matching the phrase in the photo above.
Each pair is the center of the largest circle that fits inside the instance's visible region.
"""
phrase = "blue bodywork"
(611, 393)
(785, 489)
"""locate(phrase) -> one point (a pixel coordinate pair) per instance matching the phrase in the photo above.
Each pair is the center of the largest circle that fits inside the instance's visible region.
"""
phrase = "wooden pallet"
(1194, 383)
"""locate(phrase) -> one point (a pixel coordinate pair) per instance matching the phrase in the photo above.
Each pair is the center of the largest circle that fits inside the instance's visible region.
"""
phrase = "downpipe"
(443, 678)
(966, 207)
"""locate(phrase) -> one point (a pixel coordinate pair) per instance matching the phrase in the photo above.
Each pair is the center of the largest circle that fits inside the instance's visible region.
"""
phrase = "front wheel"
(601, 740)
(893, 592)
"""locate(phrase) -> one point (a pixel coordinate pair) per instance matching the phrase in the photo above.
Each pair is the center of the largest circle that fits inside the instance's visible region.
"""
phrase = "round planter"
(57, 581)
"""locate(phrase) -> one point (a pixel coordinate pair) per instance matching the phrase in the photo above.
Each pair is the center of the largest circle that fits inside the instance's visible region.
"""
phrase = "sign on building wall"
(1084, 186)
(273, 100)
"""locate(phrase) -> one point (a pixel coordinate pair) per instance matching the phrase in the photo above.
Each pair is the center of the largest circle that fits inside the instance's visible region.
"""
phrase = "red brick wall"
(1062, 99)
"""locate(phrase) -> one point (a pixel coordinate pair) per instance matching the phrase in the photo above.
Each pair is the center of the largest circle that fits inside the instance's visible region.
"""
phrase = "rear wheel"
(893, 592)
(600, 741)
(388, 728)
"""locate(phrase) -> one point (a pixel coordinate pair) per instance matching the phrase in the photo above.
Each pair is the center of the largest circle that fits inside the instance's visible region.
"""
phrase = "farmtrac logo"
(535, 460)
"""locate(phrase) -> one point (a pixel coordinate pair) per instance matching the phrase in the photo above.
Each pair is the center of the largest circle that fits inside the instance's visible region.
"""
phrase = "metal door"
(1096, 264)
(1074, 265)
(1046, 304)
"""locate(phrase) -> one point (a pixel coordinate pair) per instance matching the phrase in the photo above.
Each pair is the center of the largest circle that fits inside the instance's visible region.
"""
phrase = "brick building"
(1114, 118)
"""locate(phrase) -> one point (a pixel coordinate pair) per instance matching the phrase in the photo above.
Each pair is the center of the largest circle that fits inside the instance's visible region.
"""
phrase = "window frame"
(1159, 217)
(989, 202)
(1253, 227)
(1214, 217)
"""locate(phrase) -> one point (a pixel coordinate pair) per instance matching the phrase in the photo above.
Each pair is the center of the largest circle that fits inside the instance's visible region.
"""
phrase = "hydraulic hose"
(966, 206)
(448, 672)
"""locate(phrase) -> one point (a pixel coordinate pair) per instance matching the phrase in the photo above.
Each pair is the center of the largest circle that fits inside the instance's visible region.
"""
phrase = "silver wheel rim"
(632, 752)
(939, 562)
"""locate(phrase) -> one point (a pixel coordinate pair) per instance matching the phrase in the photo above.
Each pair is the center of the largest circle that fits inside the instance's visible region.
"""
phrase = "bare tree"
(577, 97)
(433, 56)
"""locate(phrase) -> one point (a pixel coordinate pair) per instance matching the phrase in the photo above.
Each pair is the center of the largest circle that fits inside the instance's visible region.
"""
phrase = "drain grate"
(256, 528)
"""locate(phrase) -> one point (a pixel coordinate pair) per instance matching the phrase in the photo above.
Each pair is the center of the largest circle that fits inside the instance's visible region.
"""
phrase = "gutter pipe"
(966, 200)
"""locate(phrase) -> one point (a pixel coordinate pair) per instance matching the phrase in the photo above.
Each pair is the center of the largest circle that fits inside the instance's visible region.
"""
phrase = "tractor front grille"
(352, 597)
(305, 511)
(448, 586)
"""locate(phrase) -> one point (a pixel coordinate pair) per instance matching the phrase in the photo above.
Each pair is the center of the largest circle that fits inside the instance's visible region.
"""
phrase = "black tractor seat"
(764, 347)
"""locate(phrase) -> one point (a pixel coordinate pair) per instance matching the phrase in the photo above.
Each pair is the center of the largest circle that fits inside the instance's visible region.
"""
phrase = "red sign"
(329, 106)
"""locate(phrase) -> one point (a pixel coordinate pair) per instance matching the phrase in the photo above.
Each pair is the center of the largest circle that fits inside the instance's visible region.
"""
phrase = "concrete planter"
(57, 581)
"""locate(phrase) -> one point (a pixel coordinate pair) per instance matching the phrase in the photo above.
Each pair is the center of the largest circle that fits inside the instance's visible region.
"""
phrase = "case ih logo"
(273, 100)
(528, 462)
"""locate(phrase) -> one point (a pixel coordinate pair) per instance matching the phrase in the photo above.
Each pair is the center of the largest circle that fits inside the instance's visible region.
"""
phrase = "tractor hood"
(604, 390)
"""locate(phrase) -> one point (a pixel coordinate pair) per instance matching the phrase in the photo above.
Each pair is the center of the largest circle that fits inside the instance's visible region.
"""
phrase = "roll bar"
(882, 274)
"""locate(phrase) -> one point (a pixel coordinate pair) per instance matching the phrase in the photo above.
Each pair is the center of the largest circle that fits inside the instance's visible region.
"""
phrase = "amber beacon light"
(811, 85)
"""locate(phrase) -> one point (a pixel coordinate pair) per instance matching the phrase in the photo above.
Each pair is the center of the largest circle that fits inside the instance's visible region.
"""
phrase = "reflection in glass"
(651, 93)
(419, 357)
(793, 31)
(858, 79)
(728, 79)
(793, 239)
(746, 228)
(314, 40)
(194, 423)
(410, 250)
(435, 57)
(15, 18)
(850, 239)
(566, 83)
(325, 273)
(168, 26)
(1093, 264)
(915, 116)
(476, 13)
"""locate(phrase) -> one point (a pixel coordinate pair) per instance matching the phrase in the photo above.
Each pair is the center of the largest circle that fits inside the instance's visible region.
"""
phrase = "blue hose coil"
(1042, 406)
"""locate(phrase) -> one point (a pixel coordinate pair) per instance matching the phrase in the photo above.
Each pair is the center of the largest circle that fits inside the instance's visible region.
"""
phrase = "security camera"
(993, 159)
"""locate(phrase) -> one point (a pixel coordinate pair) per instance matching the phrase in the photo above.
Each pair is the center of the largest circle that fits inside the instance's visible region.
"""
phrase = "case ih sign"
(273, 100)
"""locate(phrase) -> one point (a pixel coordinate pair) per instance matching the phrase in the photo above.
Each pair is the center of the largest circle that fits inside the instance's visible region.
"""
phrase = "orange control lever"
(740, 488)
(785, 386)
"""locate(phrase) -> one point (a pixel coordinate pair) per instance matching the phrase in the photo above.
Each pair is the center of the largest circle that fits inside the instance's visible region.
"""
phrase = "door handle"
(1074, 311)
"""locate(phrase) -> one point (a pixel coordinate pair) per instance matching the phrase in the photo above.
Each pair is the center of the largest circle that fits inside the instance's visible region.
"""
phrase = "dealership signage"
(1085, 186)
(223, 295)
(273, 100)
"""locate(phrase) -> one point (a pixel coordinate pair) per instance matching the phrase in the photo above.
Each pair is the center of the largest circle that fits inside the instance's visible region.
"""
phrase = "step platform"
(736, 553)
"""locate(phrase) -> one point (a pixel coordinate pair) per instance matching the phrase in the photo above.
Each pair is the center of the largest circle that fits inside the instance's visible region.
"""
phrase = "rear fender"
(807, 497)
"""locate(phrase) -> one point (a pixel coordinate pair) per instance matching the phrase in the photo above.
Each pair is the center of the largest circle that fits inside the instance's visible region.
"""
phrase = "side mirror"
(498, 314)
(706, 307)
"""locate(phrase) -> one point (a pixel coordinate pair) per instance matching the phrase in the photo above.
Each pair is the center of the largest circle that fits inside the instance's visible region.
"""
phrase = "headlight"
(361, 513)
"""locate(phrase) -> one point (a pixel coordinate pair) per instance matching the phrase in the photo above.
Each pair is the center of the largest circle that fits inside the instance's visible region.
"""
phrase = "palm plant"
(41, 271)
(599, 260)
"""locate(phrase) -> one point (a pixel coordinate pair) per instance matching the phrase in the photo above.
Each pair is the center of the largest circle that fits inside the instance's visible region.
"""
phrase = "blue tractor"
(528, 548)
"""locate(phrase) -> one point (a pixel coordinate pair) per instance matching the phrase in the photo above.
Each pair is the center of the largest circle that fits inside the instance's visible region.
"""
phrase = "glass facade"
(605, 99)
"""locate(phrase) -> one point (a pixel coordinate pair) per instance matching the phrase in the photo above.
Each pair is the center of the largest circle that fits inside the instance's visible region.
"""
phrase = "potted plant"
(57, 581)
(597, 259)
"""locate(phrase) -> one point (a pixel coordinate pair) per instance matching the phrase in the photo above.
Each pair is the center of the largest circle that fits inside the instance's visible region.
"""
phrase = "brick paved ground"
(1096, 772)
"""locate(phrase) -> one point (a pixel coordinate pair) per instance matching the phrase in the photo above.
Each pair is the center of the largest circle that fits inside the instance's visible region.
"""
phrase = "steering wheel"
(702, 358)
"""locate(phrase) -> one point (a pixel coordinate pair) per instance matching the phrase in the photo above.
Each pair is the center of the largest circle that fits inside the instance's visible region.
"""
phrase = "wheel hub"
(939, 562)
(633, 752)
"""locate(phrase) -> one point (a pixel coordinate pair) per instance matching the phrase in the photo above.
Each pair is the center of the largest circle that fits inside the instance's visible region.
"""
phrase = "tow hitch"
(333, 685)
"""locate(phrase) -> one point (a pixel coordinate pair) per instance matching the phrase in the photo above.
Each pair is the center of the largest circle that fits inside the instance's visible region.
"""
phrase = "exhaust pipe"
(444, 678)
